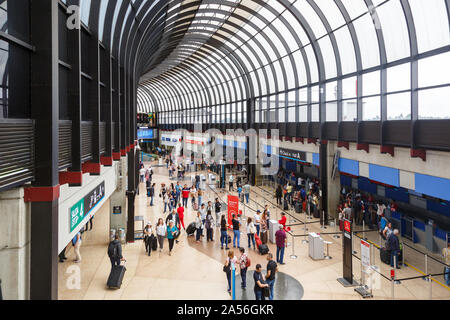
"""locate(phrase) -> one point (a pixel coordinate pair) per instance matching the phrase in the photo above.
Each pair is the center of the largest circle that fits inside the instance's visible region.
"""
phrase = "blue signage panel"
(145, 133)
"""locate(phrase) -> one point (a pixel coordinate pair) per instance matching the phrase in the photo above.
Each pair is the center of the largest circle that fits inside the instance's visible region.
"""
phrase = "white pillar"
(15, 228)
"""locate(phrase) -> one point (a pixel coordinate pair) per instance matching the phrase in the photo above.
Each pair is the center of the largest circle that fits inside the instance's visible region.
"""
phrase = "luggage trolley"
(139, 234)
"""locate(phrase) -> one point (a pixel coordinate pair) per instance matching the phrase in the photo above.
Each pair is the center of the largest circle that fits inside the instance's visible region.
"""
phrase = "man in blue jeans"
(280, 237)
(272, 268)
(237, 234)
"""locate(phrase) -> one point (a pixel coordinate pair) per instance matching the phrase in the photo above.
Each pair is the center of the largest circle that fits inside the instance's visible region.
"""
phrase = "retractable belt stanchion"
(293, 256)
(233, 281)
(336, 236)
(431, 287)
(364, 230)
(426, 268)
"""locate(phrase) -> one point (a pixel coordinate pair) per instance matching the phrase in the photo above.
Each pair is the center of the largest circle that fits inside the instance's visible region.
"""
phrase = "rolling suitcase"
(116, 277)
(385, 256)
(190, 230)
(154, 243)
(263, 249)
(258, 241)
(298, 207)
(285, 205)
(304, 206)
(316, 213)
(228, 239)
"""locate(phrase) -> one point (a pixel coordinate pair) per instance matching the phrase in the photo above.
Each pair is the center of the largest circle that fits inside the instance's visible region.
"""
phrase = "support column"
(44, 192)
(334, 185)
(74, 103)
(324, 180)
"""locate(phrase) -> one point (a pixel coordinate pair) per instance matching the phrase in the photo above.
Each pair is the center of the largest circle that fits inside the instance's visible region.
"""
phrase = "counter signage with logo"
(292, 154)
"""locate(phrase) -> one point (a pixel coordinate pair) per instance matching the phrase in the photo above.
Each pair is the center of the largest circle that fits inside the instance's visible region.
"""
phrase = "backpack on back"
(112, 250)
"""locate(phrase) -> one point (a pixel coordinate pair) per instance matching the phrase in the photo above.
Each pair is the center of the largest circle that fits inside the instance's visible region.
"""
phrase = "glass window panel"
(346, 50)
(300, 65)
(291, 98)
(431, 71)
(312, 64)
(433, 103)
(395, 33)
(331, 12)
(287, 35)
(315, 94)
(349, 87)
(311, 17)
(291, 114)
(368, 40)
(331, 88)
(329, 57)
(371, 83)
(303, 96)
(303, 114)
(354, 7)
(431, 23)
(314, 113)
(399, 106)
(371, 108)
(349, 110)
(282, 115)
(85, 10)
(331, 108)
(399, 78)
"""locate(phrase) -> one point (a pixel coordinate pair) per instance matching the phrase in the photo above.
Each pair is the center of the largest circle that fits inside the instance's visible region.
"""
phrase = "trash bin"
(122, 235)
(112, 234)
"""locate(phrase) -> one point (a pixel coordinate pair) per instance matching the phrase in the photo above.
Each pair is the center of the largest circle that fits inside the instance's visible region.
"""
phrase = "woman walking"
(171, 233)
(231, 261)
(209, 224)
(198, 227)
(264, 228)
(223, 233)
(279, 194)
(161, 231)
(251, 230)
(257, 221)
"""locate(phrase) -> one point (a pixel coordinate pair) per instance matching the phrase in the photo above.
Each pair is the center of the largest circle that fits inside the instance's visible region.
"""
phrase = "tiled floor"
(194, 271)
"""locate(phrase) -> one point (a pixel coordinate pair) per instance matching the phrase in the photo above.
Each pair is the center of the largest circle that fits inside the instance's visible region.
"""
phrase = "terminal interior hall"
(306, 107)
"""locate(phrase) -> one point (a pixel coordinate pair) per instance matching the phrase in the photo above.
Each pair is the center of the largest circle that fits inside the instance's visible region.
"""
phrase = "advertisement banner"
(233, 207)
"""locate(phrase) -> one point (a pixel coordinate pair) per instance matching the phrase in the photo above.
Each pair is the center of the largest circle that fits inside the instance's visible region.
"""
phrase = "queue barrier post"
(364, 230)
(233, 281)
(336, 236)
(403, 255)
(293, 255)
(431, 287)
(426, 268)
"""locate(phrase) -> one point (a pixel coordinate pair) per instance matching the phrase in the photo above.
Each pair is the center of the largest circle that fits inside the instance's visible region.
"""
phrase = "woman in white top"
(231, 260)
(193, 194)
(257, 222)
(161, 230)
(251, 230)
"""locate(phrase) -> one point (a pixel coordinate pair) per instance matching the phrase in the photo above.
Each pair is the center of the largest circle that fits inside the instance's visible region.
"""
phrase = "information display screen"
(145, 133)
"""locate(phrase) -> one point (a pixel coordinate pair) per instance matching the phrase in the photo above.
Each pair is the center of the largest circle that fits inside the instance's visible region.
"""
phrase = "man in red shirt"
(185, 193)
(281, 239)
(180, 212)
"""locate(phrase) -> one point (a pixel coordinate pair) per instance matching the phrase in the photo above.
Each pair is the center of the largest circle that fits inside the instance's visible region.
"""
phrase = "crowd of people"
(176, 196)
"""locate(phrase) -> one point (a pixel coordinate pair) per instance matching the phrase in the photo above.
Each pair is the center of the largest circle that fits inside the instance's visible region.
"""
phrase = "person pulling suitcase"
(115, 252)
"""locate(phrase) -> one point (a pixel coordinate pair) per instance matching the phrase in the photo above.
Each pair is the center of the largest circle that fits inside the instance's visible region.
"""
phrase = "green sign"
(76, 214)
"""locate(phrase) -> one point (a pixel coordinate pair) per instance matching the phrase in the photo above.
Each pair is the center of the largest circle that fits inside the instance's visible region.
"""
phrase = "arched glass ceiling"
(301, 61)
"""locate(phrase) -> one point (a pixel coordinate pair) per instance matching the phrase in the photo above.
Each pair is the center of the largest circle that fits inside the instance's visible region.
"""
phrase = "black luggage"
(116, 277)
(228, 239)
(154, 243)
(190, 230)
(285, 205)
(385, 256)
(263, 249)
(316, 213)
(298, 207)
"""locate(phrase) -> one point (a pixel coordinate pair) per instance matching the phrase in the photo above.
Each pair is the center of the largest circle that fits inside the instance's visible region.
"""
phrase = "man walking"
(272, 268)
(237, 234)
(115, 252)
(247, 191)
(281, 239)
(218, 208)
